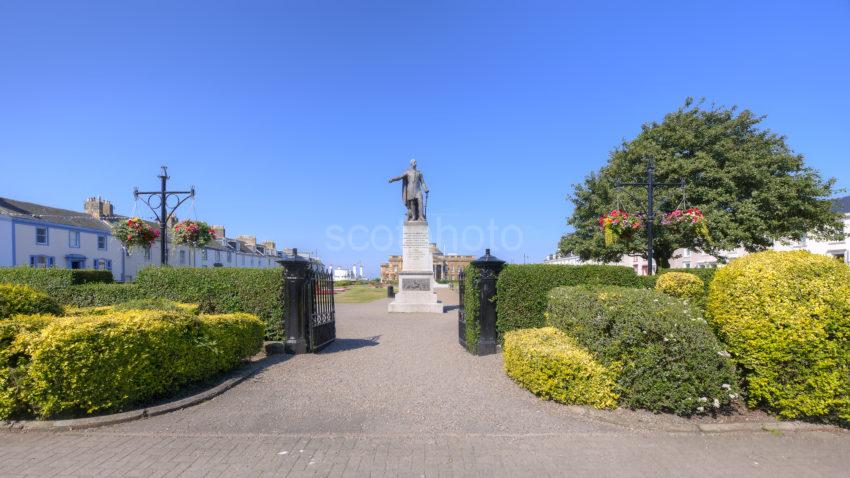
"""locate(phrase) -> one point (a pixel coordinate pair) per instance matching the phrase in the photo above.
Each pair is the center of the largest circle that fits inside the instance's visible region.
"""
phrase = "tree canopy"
(752, 188)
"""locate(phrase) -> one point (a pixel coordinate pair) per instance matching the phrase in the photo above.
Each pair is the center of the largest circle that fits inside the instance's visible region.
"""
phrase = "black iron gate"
(461, 315)
(320, 308)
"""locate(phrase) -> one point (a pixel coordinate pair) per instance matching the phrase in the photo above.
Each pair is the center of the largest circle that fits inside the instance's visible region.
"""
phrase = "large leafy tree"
(752, 188)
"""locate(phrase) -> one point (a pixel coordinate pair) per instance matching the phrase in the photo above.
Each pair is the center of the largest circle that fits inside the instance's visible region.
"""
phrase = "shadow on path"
(342, 345)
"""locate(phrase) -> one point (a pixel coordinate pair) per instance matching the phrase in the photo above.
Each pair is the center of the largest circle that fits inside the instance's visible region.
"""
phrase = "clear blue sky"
(289, 117)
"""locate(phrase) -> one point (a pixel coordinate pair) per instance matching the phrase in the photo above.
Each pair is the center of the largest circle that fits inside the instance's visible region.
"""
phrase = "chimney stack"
(219, 231)
(249, 240)
(98, 207)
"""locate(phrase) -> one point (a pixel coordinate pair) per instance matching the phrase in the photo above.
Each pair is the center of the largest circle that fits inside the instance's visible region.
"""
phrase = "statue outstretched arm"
(399, 178)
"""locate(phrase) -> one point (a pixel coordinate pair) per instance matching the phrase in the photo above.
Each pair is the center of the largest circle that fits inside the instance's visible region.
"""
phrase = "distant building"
(446, 266)
(42, 236)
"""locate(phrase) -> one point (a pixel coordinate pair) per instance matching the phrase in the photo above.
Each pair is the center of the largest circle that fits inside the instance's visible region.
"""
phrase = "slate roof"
(46, 214)
(38, 213)
(841, 204)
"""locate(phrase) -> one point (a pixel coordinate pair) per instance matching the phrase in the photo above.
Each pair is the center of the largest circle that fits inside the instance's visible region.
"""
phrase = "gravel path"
(397, 396)
(385, 374)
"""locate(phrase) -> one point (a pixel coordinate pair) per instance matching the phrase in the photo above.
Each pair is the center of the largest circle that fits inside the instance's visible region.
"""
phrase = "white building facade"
(41, 236)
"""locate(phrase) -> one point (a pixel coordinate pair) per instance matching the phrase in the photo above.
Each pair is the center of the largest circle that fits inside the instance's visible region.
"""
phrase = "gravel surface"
(385, 374)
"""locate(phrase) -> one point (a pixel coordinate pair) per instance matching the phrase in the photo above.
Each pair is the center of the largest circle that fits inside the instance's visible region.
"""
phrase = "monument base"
(416, 294)
(416, 280)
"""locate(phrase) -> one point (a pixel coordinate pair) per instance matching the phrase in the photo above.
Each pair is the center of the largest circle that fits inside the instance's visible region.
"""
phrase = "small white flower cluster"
(724, 353)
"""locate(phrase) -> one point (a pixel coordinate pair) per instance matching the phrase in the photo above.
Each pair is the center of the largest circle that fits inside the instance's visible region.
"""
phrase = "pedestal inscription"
(416, 284)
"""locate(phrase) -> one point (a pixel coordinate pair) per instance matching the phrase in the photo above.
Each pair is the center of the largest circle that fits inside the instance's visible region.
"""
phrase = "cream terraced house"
(34, 235)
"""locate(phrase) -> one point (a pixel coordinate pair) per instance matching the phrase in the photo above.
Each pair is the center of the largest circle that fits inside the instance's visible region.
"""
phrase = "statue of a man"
(413, 183)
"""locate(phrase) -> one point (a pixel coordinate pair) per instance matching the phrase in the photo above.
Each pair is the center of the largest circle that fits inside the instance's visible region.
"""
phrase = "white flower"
(724, 353)
(726, 386)
(700, 409)
(733, 396)
(716, 403)
(703, 399)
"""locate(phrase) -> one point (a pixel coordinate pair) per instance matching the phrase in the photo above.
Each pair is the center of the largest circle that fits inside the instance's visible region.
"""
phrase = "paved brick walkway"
(396, 396)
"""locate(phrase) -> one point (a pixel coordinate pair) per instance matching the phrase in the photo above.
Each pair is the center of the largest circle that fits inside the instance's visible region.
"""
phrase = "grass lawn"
(360, 294)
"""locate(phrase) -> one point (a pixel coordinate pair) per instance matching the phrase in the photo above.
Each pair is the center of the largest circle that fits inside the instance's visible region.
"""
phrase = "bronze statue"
(413, 183)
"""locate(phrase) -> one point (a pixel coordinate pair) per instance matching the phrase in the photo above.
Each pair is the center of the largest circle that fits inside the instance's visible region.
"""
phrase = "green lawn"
(360, 294)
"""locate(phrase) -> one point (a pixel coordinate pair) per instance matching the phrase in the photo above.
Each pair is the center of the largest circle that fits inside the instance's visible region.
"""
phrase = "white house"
(694, 259)
(42, 236)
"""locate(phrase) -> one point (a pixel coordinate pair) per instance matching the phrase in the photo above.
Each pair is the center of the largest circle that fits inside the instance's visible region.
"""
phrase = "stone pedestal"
(416, 279)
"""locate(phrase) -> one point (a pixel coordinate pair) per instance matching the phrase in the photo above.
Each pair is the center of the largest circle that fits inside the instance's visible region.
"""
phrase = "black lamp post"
(163, 215)
(650, 186)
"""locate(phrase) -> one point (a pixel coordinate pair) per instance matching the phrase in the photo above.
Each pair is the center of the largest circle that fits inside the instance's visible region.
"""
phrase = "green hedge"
(221, 290)
(682, 285)
(93, 295)
(522, 289)
(70, 366)
(472, 307)
(786, 319)
(22, 299)
(52, 280)
(664, 354)
(553, 366)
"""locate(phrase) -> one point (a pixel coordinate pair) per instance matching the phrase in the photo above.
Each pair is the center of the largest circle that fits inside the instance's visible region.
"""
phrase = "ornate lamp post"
(159, 200)
(650, 186)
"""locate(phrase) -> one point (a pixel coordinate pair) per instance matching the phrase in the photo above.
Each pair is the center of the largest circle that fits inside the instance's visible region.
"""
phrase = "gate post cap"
(293, 259)
(488, 260)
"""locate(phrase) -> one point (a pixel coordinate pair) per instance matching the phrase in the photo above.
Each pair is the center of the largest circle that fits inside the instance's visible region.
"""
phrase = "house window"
(101, 243)
(147, 253)
(102, 264)
(41, 235)
(74, 239)
(42, 262)
(687, 253)
(203, 254)
(182, 257)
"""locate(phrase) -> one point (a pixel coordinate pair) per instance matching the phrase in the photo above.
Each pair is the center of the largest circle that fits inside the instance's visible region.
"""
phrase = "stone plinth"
(416, 280)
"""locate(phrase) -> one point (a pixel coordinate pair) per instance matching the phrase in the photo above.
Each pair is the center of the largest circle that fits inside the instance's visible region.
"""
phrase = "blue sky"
(289, 117)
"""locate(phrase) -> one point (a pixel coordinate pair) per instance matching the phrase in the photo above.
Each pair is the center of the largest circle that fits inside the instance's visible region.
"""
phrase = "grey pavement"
(397, 396)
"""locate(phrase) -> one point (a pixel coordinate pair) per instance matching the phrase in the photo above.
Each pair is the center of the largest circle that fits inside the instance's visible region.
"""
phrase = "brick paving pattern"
(396, 396)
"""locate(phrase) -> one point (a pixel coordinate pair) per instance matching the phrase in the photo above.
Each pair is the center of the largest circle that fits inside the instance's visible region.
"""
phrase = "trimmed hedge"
(553, 366)
(22, 299)
(522, 289)
(664, 354)
(95, 295)
(472, 307)
(52, 280)
(86, 364)
(682, 285)
(221, 290)
(786, 319)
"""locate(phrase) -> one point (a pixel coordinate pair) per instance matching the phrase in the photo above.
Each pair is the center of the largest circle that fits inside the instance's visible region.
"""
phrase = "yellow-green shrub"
(13, 360)
(683, 286)
(553, 366)
(22, 299)
(91, 363)
(786, 319)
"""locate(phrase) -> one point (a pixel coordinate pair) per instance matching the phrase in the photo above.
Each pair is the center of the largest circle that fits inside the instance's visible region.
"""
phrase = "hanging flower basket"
(619, 225)
(192, 233)
(134, 232)
(691, 219)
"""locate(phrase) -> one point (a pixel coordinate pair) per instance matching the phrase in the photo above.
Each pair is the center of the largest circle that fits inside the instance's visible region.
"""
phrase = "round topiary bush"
(682, 285)
(785, 317)
(21, 299)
